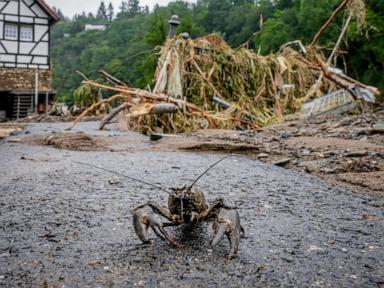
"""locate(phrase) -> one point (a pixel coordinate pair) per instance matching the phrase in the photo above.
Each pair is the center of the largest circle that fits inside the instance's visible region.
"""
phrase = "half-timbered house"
(25, 66)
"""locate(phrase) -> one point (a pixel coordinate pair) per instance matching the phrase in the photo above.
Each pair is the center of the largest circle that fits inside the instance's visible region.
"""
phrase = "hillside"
(126, 48)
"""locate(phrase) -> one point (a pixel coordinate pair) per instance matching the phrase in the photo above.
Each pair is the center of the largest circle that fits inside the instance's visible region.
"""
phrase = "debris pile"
(69, 141)
(204, 83)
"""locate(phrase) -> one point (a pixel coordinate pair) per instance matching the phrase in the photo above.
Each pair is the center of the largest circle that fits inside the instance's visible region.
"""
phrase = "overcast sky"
(72, 7)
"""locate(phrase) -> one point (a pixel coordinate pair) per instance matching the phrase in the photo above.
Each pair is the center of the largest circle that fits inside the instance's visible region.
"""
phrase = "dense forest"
(128, 47)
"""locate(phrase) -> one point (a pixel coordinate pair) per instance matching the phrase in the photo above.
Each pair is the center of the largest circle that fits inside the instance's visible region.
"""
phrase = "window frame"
(19, 26)
(5, 29)
(22, 25)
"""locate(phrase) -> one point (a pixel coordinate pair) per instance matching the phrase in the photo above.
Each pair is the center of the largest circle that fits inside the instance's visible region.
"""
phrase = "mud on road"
(66, 225)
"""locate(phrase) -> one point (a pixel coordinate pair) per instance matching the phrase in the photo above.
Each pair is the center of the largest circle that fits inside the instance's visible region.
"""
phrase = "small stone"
(314, 248)
(319, 155)
(282, 162)
(2, 277)
(357, 154)
(329, 170)
(262, 155)
(379, 126)
(267, 206)
(310, 166)
(338, 131)
(305, 132)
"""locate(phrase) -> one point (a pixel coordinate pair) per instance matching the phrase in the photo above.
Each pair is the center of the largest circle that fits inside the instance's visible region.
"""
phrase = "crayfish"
(185, 207)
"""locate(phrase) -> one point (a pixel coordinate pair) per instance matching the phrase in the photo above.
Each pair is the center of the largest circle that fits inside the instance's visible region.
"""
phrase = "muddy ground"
(346, 151)
(67, 225)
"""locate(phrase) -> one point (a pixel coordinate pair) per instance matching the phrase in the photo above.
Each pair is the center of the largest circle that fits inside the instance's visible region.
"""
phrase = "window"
(26, 33)
(11, 31)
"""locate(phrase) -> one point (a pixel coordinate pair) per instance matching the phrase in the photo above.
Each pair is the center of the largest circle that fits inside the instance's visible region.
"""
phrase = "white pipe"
(46, 102)
(36, 90)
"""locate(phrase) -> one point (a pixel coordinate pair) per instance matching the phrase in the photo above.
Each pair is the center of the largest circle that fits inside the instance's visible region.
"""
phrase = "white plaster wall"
(29, 2)
(25, 10)
(41, 49)
(12, 18)
(12, 8)
(24, 59)
(38, 11)
(26, 20)
(40, 60)
(8, 58)
(26, 47)
(11, 46)
(40, 30)
(41, 21)
(2, 4)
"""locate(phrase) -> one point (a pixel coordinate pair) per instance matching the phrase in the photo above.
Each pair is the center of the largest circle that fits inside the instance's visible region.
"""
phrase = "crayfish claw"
(143, 218)
(140, 223)
(227, 223)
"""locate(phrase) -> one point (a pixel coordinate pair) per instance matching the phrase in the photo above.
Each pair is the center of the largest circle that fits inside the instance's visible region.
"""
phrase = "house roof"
(55, 17)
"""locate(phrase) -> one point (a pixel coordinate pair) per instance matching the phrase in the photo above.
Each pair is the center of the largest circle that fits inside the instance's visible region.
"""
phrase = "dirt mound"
(71, 141)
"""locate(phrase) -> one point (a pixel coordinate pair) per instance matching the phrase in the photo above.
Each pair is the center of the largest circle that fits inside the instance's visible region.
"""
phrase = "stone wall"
(23, 80)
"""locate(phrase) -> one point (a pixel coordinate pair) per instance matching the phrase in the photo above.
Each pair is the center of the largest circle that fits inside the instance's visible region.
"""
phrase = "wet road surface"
(67, 225)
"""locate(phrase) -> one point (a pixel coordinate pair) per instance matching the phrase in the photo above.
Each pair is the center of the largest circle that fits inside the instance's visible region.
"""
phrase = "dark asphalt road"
(67, 225)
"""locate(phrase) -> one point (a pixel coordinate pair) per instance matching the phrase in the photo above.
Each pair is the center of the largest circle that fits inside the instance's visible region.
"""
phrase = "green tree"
(111, 12)
(133, 8)
(102, 11)
(217, 11)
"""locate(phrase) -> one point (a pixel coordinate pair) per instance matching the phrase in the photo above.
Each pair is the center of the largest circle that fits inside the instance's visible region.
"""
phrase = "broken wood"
(113, 114)
(149, 108)
(94, 106)
(149, 95)
(112, 79)
(339, 8)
